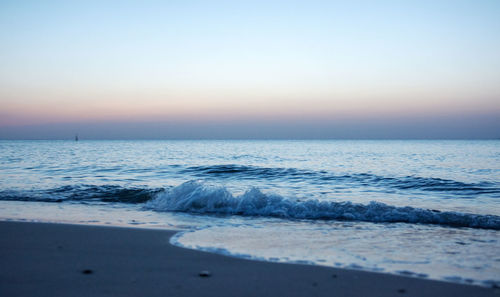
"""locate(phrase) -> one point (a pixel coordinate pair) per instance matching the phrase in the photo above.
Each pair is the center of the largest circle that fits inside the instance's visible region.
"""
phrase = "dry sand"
(39, 259)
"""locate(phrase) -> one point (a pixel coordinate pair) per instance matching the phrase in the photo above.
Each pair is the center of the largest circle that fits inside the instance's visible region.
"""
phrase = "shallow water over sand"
(421, 208)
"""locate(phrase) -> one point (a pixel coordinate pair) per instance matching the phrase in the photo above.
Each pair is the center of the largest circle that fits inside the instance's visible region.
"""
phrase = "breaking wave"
(194, 197)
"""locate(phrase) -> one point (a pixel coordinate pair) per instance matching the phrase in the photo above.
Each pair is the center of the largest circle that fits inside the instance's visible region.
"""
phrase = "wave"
(194, 197)
(232, 171)
(103, 193)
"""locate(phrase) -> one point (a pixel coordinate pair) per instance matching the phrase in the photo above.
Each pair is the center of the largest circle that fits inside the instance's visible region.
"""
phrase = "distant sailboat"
(76, 137)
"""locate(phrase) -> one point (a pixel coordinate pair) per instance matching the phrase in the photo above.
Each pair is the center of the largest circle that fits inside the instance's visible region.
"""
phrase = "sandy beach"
(250, 148)
(41, 259)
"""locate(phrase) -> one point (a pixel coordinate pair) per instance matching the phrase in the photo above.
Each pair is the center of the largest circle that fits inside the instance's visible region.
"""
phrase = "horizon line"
(243, 139)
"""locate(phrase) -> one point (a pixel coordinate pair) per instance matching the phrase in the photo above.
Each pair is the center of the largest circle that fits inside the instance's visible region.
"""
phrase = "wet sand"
(40, 259)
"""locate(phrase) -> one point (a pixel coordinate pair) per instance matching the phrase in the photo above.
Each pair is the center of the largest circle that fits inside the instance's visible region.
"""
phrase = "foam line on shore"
(76, 260)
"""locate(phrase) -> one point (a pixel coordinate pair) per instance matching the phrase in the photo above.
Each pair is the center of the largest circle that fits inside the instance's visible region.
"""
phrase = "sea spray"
(195, 197)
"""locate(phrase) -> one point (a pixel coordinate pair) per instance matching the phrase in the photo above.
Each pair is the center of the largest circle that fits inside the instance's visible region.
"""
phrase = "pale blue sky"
(285, 63)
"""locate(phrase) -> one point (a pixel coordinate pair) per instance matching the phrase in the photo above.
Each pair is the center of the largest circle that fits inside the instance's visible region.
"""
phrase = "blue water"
(421, 208)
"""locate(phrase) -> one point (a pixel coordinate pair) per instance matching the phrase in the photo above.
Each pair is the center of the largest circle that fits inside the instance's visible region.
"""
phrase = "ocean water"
(428, 209)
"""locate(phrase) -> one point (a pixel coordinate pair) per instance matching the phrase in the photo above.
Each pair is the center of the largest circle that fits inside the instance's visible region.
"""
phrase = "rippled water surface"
(421, 208)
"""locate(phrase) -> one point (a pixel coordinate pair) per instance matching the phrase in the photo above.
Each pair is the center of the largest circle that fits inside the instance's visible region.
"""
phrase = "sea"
(420, 208)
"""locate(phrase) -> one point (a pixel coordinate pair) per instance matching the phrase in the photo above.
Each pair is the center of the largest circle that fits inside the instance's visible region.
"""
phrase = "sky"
(249, 69)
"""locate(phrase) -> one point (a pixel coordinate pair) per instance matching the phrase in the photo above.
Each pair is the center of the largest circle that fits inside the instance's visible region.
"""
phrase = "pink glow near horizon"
(33, 107)
(200, 63)
(232, 111)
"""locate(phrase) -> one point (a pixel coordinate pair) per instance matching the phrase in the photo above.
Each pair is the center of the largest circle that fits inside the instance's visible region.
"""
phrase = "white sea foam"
(195, 197)
(462, 255)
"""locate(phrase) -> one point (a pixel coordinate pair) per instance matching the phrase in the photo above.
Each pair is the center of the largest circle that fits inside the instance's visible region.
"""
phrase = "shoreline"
(50, 259)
